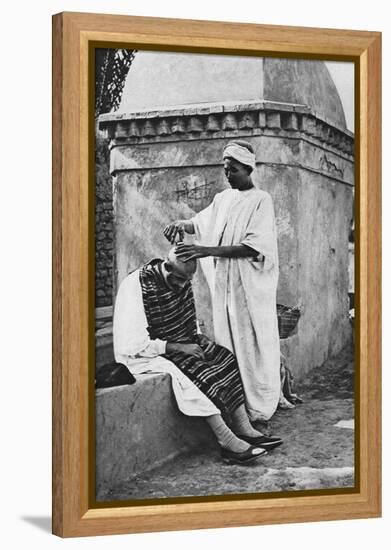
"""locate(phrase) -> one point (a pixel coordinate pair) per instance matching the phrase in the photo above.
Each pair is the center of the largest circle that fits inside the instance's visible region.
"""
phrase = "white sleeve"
(130, 334)
(261, 234)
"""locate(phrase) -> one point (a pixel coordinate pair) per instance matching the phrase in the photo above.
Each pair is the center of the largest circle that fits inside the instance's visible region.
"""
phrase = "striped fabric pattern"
(171, 316)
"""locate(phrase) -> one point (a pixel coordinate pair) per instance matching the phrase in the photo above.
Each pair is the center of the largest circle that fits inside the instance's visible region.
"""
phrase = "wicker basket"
(288, 318)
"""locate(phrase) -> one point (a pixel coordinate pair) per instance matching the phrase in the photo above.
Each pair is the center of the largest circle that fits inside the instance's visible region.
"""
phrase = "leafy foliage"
(111, 68)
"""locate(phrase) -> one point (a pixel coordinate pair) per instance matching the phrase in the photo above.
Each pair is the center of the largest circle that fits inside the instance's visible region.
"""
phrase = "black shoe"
(263, 441)
(246, 457)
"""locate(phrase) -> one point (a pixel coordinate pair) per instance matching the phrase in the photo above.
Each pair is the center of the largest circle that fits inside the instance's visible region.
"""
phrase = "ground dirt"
(316, 454)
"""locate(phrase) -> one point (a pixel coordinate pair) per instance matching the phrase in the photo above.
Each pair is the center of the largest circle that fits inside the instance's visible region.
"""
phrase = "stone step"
(318, 453)
(104, 351)
(104, 354)
(139, 427)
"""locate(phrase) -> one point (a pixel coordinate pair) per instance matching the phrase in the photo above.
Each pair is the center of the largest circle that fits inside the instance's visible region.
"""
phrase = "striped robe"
(171, 316)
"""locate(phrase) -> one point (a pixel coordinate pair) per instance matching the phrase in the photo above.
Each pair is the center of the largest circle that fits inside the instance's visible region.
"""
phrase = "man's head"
(239, 162)
(176, 272)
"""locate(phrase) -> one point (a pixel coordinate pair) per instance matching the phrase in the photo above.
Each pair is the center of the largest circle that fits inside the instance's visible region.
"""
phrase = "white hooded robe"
(244, 290)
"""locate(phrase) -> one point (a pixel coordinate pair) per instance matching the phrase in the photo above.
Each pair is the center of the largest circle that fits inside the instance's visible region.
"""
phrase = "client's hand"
(205, 343)
(189, 349)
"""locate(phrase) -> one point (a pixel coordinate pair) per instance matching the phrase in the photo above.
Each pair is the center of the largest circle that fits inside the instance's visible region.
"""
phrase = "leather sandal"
(246, 457)
(263, 441)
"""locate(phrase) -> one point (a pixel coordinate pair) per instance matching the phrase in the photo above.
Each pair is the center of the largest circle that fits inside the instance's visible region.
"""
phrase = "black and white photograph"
(224, 275)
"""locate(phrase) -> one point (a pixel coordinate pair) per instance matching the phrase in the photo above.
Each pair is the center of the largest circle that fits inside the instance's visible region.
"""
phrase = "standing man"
(236, 242)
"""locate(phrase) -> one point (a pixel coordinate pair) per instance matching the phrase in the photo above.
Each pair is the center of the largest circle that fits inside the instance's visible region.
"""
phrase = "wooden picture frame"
(73, 514)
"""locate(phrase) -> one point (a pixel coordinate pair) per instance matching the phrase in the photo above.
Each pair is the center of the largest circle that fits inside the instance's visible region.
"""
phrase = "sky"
(343, 76)
(341, 72)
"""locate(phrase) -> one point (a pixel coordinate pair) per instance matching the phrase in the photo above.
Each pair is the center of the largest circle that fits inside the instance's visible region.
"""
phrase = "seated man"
(155, 330)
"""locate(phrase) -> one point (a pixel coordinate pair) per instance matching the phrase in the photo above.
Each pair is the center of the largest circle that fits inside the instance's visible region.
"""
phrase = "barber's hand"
(186, 252)
(205, 343)
(173, 229)
(189, 349)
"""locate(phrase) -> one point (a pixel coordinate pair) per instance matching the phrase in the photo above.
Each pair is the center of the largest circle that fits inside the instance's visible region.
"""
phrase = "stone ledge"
(200, 109)
(104, 312)
(139, 427)
(212, 121)
(103, 336)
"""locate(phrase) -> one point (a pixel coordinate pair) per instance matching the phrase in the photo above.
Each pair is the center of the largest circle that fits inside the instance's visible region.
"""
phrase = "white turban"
(239, 153)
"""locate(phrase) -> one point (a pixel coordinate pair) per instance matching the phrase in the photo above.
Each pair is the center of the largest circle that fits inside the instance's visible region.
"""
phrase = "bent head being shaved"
(187, 268)
(176, 272)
